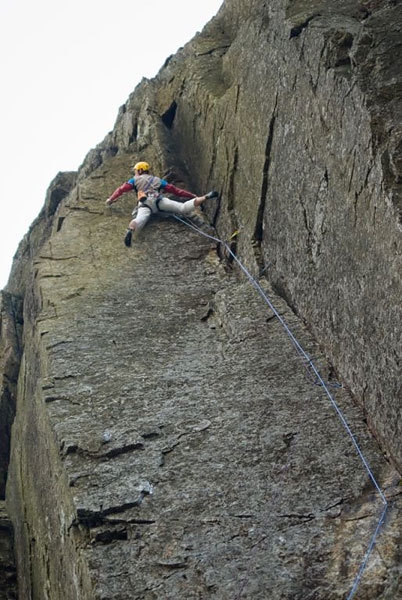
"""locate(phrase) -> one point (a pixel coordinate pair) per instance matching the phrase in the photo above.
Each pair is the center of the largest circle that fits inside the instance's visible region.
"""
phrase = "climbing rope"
(319, 380)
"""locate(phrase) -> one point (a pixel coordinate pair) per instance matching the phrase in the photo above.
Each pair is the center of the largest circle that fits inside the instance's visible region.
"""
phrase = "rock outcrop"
(169, 438)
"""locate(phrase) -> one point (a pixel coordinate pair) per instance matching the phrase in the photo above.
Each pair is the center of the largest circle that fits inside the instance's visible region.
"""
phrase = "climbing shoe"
(127, 239)
(211, 195)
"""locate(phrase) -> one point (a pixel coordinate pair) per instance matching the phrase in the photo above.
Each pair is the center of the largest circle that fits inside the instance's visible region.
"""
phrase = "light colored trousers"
(163, 205)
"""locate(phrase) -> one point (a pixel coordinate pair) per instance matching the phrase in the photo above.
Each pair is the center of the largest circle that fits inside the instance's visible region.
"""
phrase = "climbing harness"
(319, 381)
(153, 200)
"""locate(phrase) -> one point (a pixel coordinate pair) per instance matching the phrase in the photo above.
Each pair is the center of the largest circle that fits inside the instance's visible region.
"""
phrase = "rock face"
(170, 439)
(8, 579)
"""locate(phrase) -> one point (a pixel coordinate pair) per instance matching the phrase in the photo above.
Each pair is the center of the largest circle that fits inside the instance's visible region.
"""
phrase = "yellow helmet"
(141, 166)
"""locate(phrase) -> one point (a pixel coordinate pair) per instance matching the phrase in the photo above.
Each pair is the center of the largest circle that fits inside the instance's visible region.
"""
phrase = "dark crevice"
(169, 115)
(222, 49)
(59, 189)
(232, 178)
(72, 448)
(229, 256)
(297, 517)
(93, 518)
(337, 53)
(60, 222)
(56, 196)
(296, 31)
(259, 226)
(11, 323)
(7, 414)
(123, 450)
(134, 133)
(343, 62)
(110, 535)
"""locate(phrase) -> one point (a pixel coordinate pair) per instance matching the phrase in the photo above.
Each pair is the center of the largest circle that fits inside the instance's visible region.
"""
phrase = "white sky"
(65, 69)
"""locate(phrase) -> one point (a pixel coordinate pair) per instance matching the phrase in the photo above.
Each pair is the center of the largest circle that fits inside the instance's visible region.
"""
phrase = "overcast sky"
(65, 69)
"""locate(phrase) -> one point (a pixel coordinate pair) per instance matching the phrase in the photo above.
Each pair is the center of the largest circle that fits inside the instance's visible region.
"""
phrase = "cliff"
(169, 439)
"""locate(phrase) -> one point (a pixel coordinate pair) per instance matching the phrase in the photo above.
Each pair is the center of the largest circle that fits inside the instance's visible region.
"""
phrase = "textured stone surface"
(169, 441)
(298, 117)
(8, 578)
(184, 450)
(10, 357)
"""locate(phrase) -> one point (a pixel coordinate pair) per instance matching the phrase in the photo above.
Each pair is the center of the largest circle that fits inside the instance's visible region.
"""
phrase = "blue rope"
(320, 381)
(368, 552)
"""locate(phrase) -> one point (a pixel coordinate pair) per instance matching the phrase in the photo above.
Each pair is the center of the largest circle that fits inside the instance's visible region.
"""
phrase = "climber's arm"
(125, 187)
(172, 189)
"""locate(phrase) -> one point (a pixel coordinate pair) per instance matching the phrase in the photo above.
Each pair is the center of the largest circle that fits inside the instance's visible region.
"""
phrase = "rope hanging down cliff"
(310, 365)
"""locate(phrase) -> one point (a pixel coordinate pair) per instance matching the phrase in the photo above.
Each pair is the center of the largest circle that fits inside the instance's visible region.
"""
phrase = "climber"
(150, 200)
